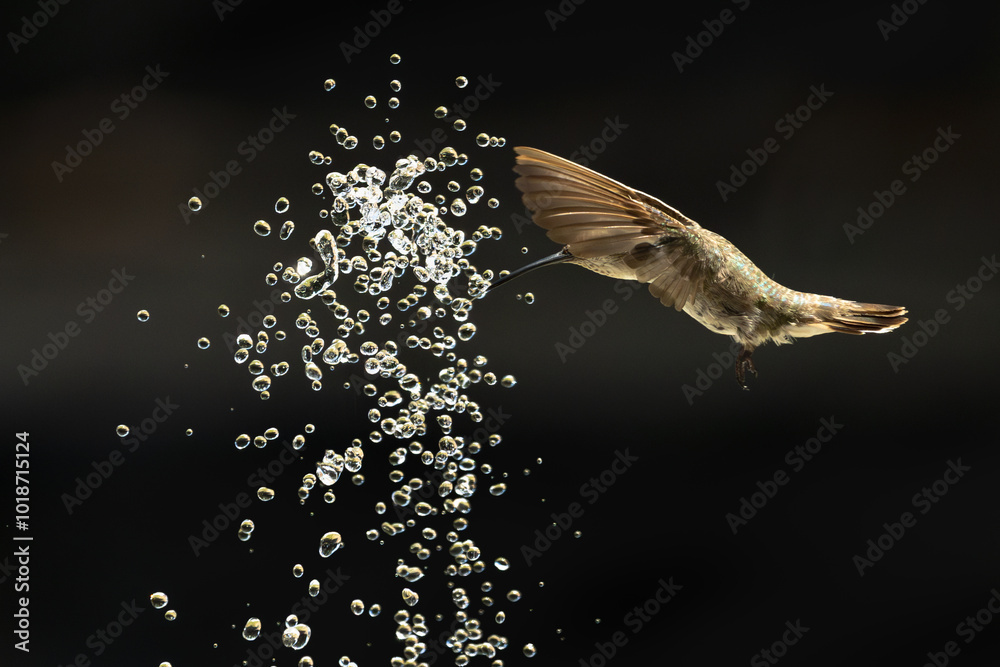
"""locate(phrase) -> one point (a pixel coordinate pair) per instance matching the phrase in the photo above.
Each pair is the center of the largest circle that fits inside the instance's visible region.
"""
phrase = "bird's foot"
(744, 363)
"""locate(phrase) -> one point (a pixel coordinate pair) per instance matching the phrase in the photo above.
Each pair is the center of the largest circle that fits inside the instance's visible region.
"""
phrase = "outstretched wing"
(595, 216)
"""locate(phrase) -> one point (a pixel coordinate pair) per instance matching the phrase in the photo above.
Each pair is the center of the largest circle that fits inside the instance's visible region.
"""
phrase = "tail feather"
(853, 317)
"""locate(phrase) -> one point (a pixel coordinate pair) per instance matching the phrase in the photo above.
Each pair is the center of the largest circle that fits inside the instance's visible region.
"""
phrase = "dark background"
(622, 390)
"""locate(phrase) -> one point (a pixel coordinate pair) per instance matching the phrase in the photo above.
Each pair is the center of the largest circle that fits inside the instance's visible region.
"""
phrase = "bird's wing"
(595, 216)
(674, 272)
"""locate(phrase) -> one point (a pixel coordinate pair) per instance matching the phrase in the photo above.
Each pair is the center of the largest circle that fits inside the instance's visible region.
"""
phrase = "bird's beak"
(555, 258)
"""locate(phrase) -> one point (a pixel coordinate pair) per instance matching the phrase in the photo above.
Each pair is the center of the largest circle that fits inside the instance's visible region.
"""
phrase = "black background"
(558, 83)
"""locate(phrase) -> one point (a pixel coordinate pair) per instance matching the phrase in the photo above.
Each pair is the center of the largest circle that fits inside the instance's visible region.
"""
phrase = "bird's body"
(622, 233)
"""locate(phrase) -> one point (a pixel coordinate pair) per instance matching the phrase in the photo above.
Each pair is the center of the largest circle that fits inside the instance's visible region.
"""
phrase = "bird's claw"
(744, 363)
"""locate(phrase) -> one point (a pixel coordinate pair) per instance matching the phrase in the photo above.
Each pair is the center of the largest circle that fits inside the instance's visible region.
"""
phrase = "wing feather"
(595, 216)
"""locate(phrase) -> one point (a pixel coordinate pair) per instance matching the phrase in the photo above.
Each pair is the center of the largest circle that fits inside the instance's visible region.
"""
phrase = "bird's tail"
(853, 317)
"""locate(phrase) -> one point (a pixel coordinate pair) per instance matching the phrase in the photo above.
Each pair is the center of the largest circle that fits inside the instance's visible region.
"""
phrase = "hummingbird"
(619, 232)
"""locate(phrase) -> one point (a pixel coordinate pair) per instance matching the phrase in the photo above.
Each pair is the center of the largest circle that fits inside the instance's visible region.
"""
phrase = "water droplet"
(395, 59)
(449, 156)
(194, 204)
(329, 85)
(252, 629)
(458, 207)
(501, 564)
(410, 597)
(142, 315)
(370, 102)
(329, 543)
(296, 636)
(122, 430)
(483, 139)
(158, 600)
(508, 381)
(170, 615)
(461, 82)
(290, 636)
(286, 230)
(204, 343)
(441, 112)
(223, 310)
(262, 228)
(529, 650)
(467, 331)
(263, 493)
(459, 125)
(281, 205)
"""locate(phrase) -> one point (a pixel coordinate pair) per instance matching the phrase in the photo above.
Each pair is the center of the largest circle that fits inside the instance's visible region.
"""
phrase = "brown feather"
(595, 217)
